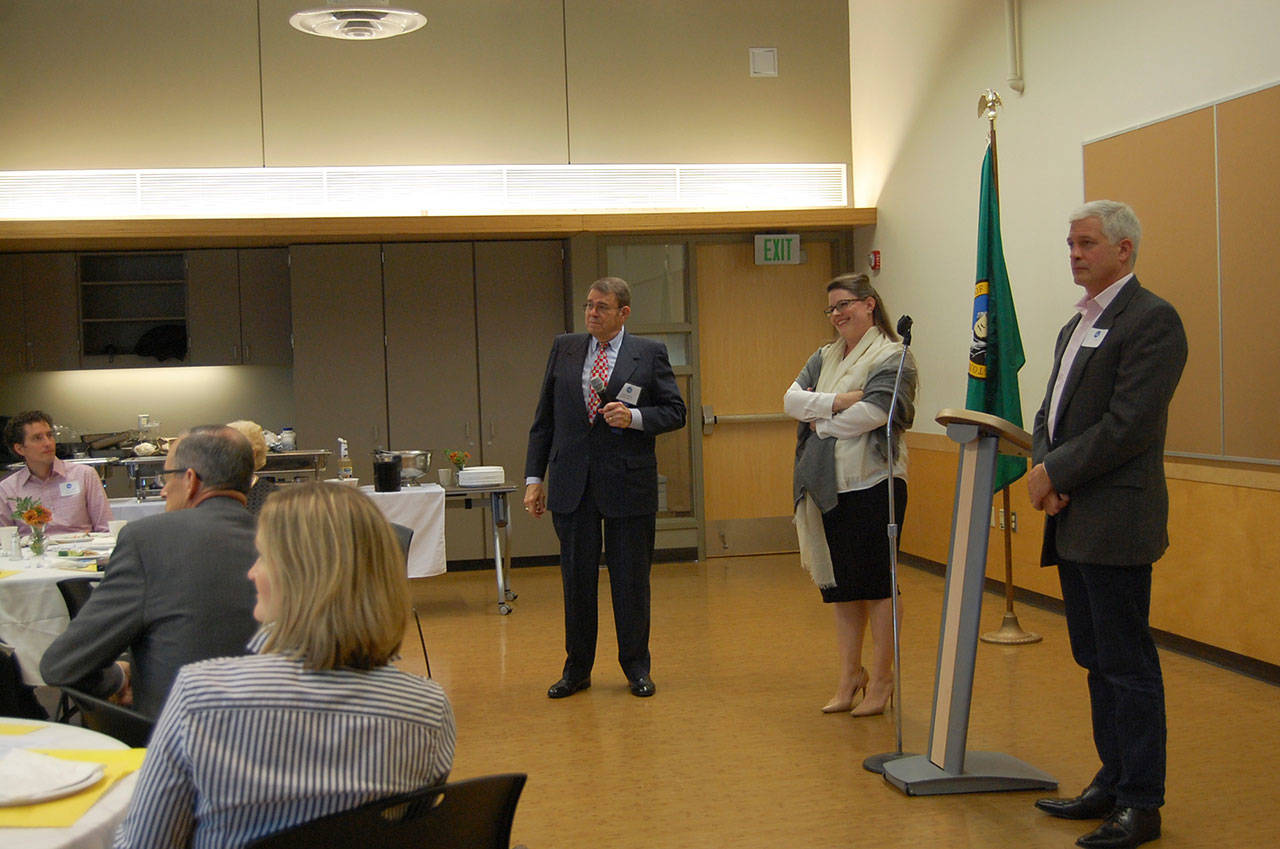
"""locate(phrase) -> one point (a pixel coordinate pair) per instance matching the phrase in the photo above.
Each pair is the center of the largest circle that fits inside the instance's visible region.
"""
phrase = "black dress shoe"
(1124, 828)
(1093, 804)
(565, 688)
(642, 686)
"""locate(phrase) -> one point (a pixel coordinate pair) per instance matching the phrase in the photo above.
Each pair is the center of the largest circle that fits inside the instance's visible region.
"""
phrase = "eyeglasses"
(164, 473)
(841, 306)
(598, 306)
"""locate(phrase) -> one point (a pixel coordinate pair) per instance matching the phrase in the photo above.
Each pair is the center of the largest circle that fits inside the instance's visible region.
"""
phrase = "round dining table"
(97, 827)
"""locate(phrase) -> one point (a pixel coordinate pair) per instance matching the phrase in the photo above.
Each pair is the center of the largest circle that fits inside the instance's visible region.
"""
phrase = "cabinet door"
(339, 365)
(520, 307)
(265, 322)
(13, 340)
(51, 306)
(213, 308)
(432, 398)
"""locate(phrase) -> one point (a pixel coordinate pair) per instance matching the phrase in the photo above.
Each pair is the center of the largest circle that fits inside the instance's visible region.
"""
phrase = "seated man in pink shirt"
(71, 492)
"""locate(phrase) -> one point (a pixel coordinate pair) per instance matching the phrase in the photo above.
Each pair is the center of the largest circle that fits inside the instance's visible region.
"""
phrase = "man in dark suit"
(605, 396)
(1099, 476)
(176, 588)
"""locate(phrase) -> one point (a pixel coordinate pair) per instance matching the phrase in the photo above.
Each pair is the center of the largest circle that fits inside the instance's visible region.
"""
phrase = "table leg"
(501, 542)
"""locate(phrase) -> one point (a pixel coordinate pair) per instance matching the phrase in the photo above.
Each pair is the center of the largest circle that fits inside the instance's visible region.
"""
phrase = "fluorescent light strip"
(417, 190)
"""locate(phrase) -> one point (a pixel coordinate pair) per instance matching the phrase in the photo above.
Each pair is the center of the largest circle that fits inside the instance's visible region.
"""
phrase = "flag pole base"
(1010, 633)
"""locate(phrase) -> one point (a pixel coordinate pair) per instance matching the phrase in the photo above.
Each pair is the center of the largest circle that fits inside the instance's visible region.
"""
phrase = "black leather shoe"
(565, 688)
(1093, 804)
(642, 687)
(1124, 828)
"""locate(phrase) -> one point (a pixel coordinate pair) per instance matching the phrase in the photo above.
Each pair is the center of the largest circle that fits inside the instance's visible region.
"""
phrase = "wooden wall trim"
(59, 235)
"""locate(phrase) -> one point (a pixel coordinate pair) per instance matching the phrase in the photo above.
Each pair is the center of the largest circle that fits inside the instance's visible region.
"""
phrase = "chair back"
(404, 535)
(475, 814)
(127, 726)
(75, 592)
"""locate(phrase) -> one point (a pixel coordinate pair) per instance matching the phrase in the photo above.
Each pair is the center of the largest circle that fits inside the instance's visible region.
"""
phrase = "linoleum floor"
(733, 751)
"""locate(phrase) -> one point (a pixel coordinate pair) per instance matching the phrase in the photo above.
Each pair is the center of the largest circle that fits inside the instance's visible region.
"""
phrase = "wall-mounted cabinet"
(40, 332)
(238, 307)
(133, 308)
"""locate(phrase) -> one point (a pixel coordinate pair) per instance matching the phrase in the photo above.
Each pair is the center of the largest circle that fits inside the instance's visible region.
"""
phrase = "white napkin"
(27, 777)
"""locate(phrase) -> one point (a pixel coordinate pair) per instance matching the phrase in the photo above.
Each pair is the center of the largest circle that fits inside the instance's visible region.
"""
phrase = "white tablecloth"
(95, 829)
(32, 612)
(420, 508)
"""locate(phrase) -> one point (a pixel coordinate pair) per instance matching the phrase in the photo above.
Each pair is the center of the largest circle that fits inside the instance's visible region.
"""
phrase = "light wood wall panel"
(1166, 172)
(667, 81)
(483, 82)
(143, 84)
(1211, 585)
(1249, 175)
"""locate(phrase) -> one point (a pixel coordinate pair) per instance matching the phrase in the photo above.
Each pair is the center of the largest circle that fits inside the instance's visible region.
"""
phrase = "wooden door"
(519, 309)
(339, 363)
(757, 325)
(432, 400)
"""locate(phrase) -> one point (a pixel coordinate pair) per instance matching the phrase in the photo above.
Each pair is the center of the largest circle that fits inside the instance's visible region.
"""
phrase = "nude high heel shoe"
(874, 705)
(838, 705)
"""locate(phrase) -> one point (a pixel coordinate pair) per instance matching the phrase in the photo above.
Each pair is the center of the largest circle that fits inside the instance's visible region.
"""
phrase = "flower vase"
(38, 542)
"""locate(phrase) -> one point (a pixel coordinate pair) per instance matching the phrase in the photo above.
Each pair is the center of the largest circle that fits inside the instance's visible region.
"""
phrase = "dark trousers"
(1107, 623)
(628, 548)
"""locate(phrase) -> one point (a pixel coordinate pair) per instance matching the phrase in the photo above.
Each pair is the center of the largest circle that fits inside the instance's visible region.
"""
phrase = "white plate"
(27, 777)
(62, 539)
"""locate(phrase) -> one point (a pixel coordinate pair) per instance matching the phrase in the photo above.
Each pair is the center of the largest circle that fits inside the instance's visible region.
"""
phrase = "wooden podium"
(946, 767)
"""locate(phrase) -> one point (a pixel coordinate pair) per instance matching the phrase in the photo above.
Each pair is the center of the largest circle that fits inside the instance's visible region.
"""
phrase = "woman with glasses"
(317, 721)
(842, 476)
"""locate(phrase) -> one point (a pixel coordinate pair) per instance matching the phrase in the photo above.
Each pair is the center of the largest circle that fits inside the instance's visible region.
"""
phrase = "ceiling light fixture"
(357, 23)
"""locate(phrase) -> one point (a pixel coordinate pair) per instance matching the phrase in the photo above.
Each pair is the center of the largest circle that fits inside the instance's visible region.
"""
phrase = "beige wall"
(153, 83)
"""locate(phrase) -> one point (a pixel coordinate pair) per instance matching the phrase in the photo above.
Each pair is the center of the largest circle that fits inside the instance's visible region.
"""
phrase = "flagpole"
(1010, 632)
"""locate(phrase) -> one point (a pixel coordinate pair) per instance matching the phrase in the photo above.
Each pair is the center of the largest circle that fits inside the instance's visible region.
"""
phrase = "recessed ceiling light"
(357, 23)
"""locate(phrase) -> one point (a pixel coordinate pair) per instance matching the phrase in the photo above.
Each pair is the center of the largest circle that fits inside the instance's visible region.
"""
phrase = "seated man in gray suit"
(175, 589)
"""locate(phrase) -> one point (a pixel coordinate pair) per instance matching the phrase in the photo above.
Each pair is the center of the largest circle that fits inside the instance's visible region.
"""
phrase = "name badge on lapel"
(629, 394)
(69, 488)
(1094, 337)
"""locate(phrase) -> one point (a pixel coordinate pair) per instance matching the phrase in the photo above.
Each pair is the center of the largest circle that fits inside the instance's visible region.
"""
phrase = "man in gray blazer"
(1099, 476)
(176, 588)
(605, 396)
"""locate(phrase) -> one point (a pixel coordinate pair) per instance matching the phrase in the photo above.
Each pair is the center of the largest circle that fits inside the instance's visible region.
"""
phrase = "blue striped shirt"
(249, 745)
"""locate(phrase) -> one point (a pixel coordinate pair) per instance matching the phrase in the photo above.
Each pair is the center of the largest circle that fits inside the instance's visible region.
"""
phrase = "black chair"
(405, 536)
(75, 592)
(475, 814)
(16, 697)
(127, 726)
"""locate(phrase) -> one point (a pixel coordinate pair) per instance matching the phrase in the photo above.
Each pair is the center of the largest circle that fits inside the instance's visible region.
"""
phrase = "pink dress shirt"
(73, 493)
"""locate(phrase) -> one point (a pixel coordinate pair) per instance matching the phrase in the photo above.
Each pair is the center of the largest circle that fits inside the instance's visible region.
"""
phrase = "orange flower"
(38, 515)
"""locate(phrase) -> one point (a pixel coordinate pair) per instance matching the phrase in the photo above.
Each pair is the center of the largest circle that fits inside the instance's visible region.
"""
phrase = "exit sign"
(778, 249)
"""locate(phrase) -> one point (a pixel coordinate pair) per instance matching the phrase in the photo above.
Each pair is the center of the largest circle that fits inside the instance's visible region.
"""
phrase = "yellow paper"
(18, 728)
(63, 813)
(4, 573)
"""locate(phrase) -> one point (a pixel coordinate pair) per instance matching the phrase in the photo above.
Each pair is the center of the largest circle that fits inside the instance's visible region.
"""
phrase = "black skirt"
(858, 537)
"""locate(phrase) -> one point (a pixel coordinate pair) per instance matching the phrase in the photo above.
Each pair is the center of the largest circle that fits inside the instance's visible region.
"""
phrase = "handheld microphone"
(598, 384)
(904, 329)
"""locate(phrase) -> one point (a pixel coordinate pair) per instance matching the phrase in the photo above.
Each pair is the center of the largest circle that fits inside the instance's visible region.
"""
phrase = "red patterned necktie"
(600, 369)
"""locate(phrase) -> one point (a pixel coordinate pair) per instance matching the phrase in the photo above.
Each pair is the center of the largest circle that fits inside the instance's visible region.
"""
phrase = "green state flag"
(995, 355)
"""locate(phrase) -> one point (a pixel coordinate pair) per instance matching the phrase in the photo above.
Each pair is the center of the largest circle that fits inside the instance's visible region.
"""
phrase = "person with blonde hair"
(260, 487)
(317, 721)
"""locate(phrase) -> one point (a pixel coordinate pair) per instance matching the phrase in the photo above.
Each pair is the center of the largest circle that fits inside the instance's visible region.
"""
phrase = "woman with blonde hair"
(259, 488)
(317, 721)
(842, 479)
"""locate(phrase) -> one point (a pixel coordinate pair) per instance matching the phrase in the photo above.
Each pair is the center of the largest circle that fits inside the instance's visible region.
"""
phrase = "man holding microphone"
(605, 396)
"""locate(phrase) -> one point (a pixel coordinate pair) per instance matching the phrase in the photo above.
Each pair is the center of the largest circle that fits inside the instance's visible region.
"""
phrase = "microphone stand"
(875, 763)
